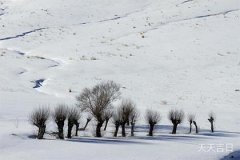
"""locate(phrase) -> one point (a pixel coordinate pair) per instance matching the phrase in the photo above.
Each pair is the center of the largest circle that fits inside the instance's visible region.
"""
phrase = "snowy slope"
(165, 54)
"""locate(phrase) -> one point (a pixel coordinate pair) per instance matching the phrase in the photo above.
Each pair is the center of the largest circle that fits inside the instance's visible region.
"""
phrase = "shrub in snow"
(73, 118)
(211, 119)
(59, 115)
(39, 118)
(152, 117)
(176, 117)
(97, 101)
(191, 118)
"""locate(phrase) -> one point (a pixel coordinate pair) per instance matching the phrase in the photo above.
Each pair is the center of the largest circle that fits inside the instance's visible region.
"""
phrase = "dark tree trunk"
(116, 130)
(41, 131)
(190, 130)
(106, 123)
(98, 129)
(60, 125)
(195, 124)
(123, 130)
(212, 127)
(151, 130)
(70, 126)
(128, 122)
(211, 121)
(77, 128)
(132, 128)
(174, 131)
(86, 124)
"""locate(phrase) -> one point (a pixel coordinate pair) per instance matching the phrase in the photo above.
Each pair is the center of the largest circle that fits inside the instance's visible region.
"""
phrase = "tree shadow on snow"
(175, 137)
(203, 133)
(104, 140)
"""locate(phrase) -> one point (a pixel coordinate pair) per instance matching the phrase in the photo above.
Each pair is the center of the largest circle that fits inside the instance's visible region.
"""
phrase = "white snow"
(164, 53)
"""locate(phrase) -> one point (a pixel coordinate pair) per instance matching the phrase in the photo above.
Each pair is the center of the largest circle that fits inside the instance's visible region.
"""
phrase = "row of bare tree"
(98, 103)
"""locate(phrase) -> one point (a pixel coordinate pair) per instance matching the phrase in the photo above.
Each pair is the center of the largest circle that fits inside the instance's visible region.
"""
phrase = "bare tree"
(108, 114)
(73, 118)
(125, 109)
(195, 124)
(176, 117)
(59, 115)
(89, 118)
(97, 101)
(211, 119)
(191, 118)
(133, 118)
(152, 117)
(39, 118)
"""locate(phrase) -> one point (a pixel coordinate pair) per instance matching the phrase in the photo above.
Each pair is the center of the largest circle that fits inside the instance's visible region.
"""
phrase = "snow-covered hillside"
(165, 54)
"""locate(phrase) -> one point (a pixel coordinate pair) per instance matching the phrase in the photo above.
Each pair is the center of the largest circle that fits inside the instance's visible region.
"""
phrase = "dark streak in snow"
(111, 19)
(22, 34)
(38, 83)
(43, 58)
(192, 18)
(20, 53)
(186, 1)
(216, 14)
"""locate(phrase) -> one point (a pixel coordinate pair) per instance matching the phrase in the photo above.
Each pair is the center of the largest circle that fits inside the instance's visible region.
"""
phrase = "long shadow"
(104, 141)
(184, 130)
(219, 134)
(161, 127)
(172, 137)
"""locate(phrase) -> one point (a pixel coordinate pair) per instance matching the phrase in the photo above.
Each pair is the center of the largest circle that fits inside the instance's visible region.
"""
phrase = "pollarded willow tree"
(73, 119)
(212, 119)
(176, 117)
(152, 117)
(39, 118)
(125, 110)
(59, 115)
(116, 121)
(97, 101)
(191, 118)
(133, 119)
